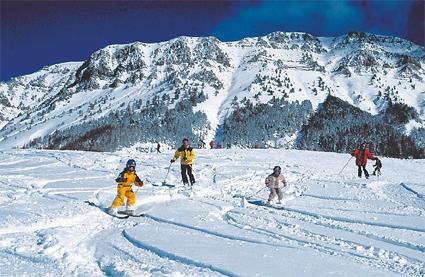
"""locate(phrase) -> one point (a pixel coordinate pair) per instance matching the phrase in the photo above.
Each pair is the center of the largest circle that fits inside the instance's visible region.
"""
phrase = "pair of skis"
(121, 214)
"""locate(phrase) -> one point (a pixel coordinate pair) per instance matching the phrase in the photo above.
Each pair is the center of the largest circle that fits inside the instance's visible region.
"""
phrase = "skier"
(362, 155)
(158, 146)
(275, 182)
(201, 144)
(124, 189)
(186, 155)
(377, 166)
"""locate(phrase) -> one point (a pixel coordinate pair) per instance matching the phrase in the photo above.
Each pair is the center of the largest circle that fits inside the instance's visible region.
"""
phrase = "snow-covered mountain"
(206, 83)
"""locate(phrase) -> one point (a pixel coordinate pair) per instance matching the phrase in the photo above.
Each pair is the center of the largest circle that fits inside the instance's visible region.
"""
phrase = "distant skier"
(124, 189)
(362, 155)
(212, 144)
(377, 166)
(201, 144)
(275, 182)
(158, 147)
(186, 155)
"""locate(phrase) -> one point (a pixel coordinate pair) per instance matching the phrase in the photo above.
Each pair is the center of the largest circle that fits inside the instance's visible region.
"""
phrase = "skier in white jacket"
(275, 182)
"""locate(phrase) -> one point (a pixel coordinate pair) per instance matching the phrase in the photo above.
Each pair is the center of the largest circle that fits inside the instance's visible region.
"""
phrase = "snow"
(32, 96)
(412, 124)
(340, 226)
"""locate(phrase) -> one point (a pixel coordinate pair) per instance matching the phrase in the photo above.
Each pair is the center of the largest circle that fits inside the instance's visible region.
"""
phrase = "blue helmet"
(131, 163)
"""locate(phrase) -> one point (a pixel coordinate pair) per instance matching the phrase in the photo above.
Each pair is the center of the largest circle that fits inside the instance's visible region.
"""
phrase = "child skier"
(125, 180)
(377, 166)
(275, 182)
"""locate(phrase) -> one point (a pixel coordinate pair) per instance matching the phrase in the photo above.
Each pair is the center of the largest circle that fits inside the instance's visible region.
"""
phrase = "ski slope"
(340, 226)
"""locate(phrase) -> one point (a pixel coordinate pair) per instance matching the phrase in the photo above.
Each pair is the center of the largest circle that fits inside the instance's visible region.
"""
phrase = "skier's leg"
(272, 194)
(119, 199)
(131, 200)
(366, 174)
(191, 177)
(279, 195)
(359, 171)
(131, 197)
(184, 176)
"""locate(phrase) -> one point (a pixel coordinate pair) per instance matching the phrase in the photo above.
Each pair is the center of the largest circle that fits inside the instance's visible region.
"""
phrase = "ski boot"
(113, 211)
(130, 211)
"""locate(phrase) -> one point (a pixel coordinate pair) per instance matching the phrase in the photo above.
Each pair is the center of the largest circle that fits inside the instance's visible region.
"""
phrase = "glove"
(172, 161)
(352, 154)
(140, 184)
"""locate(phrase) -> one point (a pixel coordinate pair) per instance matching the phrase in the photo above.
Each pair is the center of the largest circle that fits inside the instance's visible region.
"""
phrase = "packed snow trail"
(340, 226)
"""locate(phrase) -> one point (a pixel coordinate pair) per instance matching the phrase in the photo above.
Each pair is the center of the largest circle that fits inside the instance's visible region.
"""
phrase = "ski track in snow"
(340, 226)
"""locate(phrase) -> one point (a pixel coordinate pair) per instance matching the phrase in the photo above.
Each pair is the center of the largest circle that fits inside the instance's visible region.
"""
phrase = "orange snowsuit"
(124, 189)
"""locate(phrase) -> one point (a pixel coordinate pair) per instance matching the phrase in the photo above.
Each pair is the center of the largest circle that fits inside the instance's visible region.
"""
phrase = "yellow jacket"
(186, 155)
(127, 178)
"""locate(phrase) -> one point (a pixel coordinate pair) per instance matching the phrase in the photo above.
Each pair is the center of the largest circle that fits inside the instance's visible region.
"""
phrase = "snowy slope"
(363, 69)
(340, 226)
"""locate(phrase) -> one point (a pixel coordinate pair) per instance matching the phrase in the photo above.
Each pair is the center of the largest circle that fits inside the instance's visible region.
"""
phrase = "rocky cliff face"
(216, 77)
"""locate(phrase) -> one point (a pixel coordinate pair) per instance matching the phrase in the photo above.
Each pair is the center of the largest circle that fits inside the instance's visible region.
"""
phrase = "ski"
(164, 185)
(105, 210)
(136, 215)
(263, 203)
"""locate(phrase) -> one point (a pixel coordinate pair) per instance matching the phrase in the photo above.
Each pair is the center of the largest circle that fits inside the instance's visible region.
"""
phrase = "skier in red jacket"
(362, 155)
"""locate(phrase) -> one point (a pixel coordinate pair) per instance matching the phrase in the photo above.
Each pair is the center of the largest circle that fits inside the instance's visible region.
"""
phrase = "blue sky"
(36, 33)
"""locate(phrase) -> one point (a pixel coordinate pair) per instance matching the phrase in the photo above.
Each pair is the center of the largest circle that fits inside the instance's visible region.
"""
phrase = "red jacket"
(362, 156)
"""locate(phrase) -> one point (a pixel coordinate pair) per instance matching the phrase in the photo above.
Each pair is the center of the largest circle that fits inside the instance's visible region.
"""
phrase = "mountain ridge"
(362, 69)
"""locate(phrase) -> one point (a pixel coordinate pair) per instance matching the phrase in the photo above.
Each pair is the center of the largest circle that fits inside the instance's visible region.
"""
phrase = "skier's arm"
(267, 182)
(284, 181)
(138, 182)
(176, 156)
(371, 157)
(120, 178)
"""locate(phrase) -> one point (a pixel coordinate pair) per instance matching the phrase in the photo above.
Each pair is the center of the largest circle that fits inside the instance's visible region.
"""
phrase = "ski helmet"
(131, 163)
(277, 168)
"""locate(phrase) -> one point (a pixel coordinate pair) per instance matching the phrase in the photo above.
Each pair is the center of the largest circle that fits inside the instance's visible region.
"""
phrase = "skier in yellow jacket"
(186, 155)
(124, 189)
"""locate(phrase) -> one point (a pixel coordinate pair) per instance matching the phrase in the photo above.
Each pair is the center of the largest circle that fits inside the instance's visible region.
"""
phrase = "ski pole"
(256, 192)
(345, 165)
(168, 171)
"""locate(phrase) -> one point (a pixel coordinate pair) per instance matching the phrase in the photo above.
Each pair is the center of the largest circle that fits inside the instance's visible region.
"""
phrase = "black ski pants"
(366, 174)
(187, 168)
(377, 171)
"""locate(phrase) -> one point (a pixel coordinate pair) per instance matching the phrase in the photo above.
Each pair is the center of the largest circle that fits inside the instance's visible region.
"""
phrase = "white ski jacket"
(275, 182)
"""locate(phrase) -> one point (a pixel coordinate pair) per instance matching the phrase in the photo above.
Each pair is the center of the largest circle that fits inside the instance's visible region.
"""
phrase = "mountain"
(259, 90)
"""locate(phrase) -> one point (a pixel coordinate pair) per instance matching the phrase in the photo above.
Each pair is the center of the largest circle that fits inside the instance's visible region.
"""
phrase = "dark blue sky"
(35, 33)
